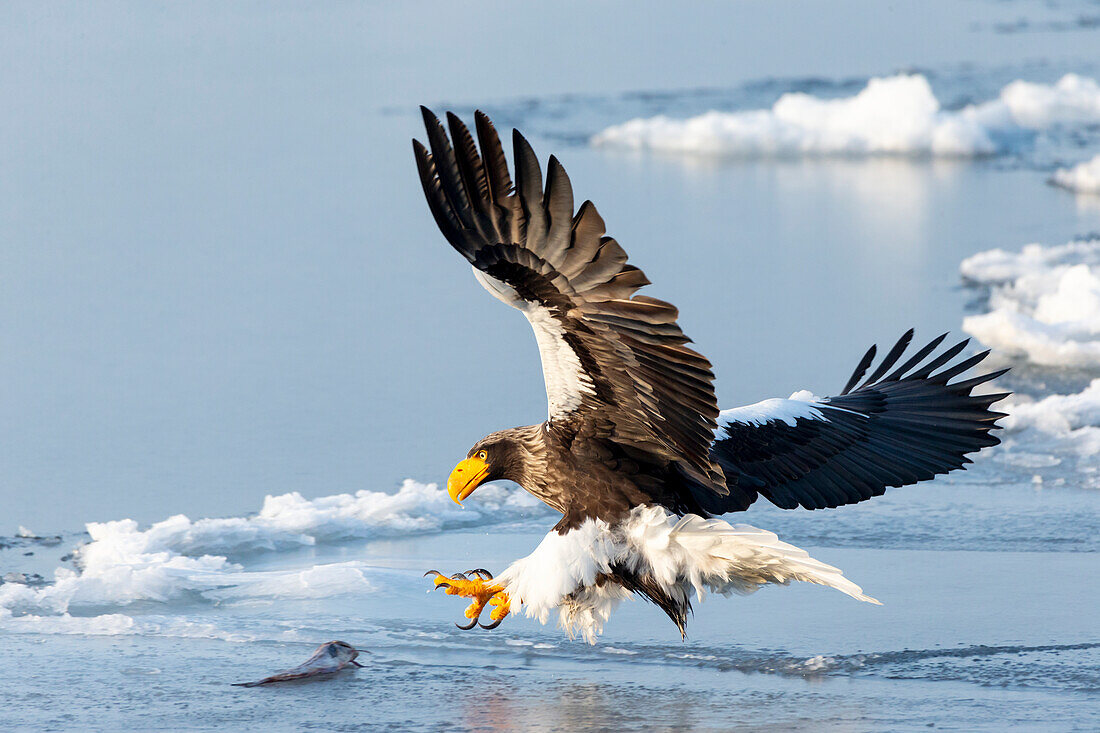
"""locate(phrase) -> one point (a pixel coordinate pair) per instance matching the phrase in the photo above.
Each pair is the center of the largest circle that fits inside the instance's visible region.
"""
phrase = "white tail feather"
(741, 558)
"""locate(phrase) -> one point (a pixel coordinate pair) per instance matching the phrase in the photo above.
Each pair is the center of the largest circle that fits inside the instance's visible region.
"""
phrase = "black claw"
(491, 626)
(479, 572)
(470, 626)
(442, 585)
(432, 571)
(458, 576)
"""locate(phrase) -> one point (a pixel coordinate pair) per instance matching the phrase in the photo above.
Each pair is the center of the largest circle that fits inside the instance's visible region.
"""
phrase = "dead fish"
(329, 658)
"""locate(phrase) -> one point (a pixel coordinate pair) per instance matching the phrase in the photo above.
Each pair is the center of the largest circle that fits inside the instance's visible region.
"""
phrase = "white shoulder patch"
(801, 406)
(566, 381)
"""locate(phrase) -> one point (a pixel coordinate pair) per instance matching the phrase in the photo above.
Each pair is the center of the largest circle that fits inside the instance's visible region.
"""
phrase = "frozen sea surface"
(976, 639)
(230, 331)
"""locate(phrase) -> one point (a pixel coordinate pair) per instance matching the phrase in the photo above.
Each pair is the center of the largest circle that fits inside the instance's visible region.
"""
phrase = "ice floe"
(897, 115)
(1082, 178)
(1044, 302)
(180, 558)
(291, 520)
(1072, 421)
(114, 624)
(1056, 437)
(1044, 308)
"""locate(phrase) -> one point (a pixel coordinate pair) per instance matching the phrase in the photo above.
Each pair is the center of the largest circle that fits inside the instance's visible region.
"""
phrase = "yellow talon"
(481, 592)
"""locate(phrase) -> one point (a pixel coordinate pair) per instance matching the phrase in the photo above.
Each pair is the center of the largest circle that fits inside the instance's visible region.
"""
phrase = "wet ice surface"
(203, 307)
(509, 690)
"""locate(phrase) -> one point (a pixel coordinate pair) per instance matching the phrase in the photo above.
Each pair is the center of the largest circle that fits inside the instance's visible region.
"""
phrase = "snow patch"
(1044, 307)
(1056, 430)
(1082, 178)
(820, 663)
(1044, 302)
(113, 624)
(897, 115)
(180, 558)
(1073, 100)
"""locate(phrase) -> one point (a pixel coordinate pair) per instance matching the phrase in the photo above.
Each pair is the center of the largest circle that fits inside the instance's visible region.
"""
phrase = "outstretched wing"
(894, 429)
(608, 355)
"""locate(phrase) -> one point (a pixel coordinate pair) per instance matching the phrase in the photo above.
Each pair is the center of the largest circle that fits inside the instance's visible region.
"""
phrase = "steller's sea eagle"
(635, 453)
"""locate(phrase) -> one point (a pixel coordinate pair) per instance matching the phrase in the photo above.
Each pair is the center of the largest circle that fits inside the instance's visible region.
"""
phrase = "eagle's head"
(494, 457)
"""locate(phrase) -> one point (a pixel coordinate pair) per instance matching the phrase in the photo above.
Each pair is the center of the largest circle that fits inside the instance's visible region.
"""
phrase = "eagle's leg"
(481, 593)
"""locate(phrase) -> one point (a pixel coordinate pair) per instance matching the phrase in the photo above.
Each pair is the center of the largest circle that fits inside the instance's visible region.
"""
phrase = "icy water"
(219, 283)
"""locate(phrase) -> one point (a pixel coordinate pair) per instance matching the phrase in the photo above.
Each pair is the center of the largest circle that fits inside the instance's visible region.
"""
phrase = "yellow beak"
(466, 477)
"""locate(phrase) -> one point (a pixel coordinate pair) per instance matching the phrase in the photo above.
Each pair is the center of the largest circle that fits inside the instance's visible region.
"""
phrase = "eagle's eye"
(482, 455)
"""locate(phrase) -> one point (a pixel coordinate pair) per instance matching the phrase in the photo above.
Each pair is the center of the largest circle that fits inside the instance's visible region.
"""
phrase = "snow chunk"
(178, 557)
(1073, 100)
(897, 115)
(291, 520)
(1082, 178)
(1044, 302)
(1055, 430)
(114, 624)
(1063, 416)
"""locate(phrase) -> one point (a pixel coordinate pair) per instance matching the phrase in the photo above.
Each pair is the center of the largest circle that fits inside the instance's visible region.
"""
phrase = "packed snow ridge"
(1056, 437)
(1082, 178)
(180, 558)
(1072, 421)
(1044, 308)
(897, 115)
(1044, 302)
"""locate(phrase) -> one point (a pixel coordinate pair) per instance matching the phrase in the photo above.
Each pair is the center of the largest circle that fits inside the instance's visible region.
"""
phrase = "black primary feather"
(908, 426)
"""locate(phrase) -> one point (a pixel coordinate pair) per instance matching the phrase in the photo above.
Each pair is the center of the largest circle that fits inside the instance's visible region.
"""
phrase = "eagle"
(635, 453)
